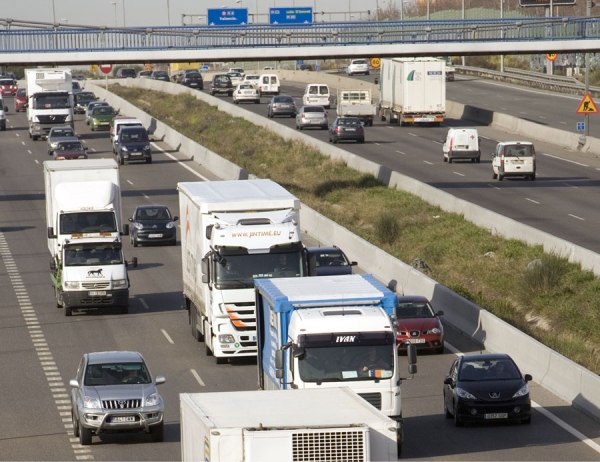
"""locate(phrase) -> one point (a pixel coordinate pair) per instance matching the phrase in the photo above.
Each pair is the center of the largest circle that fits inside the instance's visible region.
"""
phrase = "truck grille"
(374, 399)
(95, 285)
(242, 315)
(121, 403)
(52, 119)
(329, 446)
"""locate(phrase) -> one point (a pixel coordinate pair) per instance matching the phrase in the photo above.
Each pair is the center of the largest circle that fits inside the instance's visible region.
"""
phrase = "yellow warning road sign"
(94, 67)
(587, 105)
(551, 56)
(375, 63)
(148, 67)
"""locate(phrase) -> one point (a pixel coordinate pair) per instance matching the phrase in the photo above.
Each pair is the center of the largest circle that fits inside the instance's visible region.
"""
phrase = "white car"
(236, 78)
(254, 79)
(246, 92)
(358, 66)
(514, 158)
(237, 69)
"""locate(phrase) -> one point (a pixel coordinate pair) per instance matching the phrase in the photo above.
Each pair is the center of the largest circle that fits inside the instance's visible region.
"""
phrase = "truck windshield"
(347, 363)
(93, 254)
(239, 271)
(88, 222)
(51, 101)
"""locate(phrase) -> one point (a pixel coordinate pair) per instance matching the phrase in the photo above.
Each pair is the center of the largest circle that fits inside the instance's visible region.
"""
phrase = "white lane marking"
(566, 160)
(169, 339)
(427, 162)
(571, 186)
(542, 117)
(546, 94)
(146, 196)
(564, 123)
(437, 142)
(561, 423)
(197, 377)
(413, 134)
(521, 112)
(29, 151)
(144, 304)
(23, 143)
(400, 152)
(575, 216)
(531, 200)
(130, 182)
(459, 174)
(180, 163)
(37, 161)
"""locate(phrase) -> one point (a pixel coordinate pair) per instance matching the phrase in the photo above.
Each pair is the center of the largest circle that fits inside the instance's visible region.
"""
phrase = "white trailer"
(233, 232)
(330, 424)
(356, 103)
(412, 91)
(49, 100)
(83, 218)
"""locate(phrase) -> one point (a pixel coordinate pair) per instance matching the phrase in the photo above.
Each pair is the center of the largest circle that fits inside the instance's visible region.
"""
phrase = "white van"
(268, 84)
(254, 79)
(514, 158)
(317, 94)
(462, 143)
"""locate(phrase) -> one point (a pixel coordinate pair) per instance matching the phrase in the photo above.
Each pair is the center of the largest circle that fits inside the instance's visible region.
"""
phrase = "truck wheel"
(85, 436)
(221, 360)
(388, 117)
(207, 350)
(207, 334)
(399, 447)
(34, 137)
(195, 332)
(449, 159)
(157, 433)
(125, 309)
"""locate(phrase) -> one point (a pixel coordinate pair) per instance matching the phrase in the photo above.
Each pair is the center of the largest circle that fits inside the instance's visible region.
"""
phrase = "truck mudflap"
(95, 299)
(399, 433)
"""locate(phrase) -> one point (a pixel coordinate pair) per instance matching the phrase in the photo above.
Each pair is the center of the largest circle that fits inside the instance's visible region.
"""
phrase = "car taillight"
(303, 116)
(274, 106)
(451, 140)
(360, 129)
(325, 115)
(502, 159)
(338, 129)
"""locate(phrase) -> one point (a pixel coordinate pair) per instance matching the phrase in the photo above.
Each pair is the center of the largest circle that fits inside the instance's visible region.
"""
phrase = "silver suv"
(114, 392)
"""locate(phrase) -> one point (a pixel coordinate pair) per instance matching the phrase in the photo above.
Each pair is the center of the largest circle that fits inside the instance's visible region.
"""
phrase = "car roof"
(154, 206)
(486, 357)
(101, 357)
(412, 298)
(332, 249)
(62, 127)
(134, 128)
(524, 143)
(68, 139)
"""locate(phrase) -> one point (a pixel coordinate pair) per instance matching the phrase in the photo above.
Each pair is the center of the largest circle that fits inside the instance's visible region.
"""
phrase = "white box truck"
(328, 332)
(329, 424)
(356, 103)
(49, 100)
(83, 219)
(232, 233)
(412, 91)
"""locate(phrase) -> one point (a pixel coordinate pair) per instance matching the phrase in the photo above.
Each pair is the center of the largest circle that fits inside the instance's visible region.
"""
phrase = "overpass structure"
(37, 43)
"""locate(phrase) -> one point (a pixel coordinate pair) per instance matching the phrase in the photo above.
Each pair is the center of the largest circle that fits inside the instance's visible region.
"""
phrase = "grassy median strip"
(543, 295)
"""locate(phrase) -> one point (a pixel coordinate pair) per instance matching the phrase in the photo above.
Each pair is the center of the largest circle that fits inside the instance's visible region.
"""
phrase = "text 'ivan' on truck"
(83, 218)
(331, 331)
(234, 232)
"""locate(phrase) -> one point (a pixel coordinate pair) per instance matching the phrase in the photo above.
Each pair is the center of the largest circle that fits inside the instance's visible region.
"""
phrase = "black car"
(160, 75)
(153, 224)
(486, 388)
(305, 67)
(133, 145)
(82, 99)
(221, 83)
(192, 78)
(346, 129)
(327, 261)
(282, 105)
(126, 73)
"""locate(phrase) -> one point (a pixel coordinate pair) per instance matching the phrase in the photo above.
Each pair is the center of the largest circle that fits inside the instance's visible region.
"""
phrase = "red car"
(8, 87)
(20, 99)
(418, 324)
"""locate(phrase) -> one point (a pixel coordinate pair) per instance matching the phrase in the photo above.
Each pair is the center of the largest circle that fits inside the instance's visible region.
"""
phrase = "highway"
(41, 347)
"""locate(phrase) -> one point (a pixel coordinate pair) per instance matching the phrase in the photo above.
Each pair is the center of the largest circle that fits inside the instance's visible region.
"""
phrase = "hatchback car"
(57, 134)
(102, 117)
(192, 78)
(221, 83)
(513, 159)
(126, 73)
(417, 323)
(153, 224)
(346, 129)
(246, 92)
(82, 99)
(8, 87)
(133, 145)
(91, 105)
(21, 100)
(358, 66)
(282, 105)
(114, 391)
(70, 148)
(305, 67)
(486, 388)
(327, 261)
(143, 75)
(312, 116)
(160, 75)
(118, 124)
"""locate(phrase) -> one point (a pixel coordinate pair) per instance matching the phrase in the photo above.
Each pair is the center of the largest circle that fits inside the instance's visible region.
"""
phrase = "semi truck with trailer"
(50, 100)
(412, 91)
(327, 424)
(83, 219)
(234, 232)
(356, 103)
(331, 331)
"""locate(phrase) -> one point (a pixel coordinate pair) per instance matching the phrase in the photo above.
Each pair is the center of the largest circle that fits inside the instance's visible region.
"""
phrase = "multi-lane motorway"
(40, 347)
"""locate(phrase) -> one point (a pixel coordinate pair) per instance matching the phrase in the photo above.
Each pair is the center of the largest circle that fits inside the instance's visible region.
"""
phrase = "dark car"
(305, 67)
(327, 261)
(70, 148)
(192, 78)
(346, 129)
(75, 85)
(21, 100)
(160, 75)
(221, 83)
(126, 73)
(59, 133)
(153, 224)
(282, 105)
(8, 87)
(82, 99)
(486, 388)
(133, 145)
(78, 77)
(419, 324)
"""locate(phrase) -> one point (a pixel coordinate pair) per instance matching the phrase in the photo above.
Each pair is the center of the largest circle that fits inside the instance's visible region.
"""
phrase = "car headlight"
(147, 148)
(71, 284)
(119, 283)
(137, 225)
(53, 145)
(170, 224)
(523, 391)
(226, 338)
(123, 148)
(91, 403)
(153, 399)
(435, 330)
(464, 394)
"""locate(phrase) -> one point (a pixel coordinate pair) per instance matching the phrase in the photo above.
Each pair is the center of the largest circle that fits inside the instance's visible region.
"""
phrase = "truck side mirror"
(279, 364)
(209, 231)
(204, 269)
(51, 234)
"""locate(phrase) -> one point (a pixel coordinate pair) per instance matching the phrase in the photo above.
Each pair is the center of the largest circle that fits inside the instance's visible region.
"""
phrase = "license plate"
(351, 129)
(97, 293)
(427, 119)
(315, 121)
(519, 162)
(284, 105)
(155, 235)
(127, 418)
(416, 340)
(136, 154)
(502, 415)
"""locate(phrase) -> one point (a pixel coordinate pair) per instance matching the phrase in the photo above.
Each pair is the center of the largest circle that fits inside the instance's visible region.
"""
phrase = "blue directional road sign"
(291, 15)
(580, 126)
(227, 16)
(204, 68)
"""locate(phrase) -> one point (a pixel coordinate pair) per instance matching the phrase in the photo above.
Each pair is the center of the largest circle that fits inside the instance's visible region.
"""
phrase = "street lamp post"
(168, 13)
(53, 12)
(123, 13)
(115, 5)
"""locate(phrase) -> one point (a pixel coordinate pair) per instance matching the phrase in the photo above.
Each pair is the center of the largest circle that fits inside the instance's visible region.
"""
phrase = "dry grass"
(551, 300)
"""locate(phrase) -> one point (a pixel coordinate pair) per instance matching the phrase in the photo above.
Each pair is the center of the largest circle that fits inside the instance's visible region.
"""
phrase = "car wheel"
(75, 424)
(500, 177)
(457, 421)
(478, 160)
(439, 350)
(494, 176)
(67, 309)
(335, 140)
(157, 433)
(173, 242)
(3, 128)
(230, 93)
(85, 436)
(134, 241)
(532, 177)
(34, 137)
(445, 159)
(447, 413)
(125, 309)
(361, 141)
(526, 421)
(121, 160)
(59, 301)
(149, 160)
(449, 160)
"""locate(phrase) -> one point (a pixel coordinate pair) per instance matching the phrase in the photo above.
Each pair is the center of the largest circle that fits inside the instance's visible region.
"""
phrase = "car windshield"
(103, 110)
(87, 222)
(314, 109)
(524, 150)
(131, 136)
(283, 99)
(192, 74)
(70, 147)
(480, 370)
(158, 213)
(84, 97)
(58, 132)
(359, 61)
(93, 254)
(116, 374)
(7, 82)
(222, 79)
(21, 92)
(414, 310)
(247, 87)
